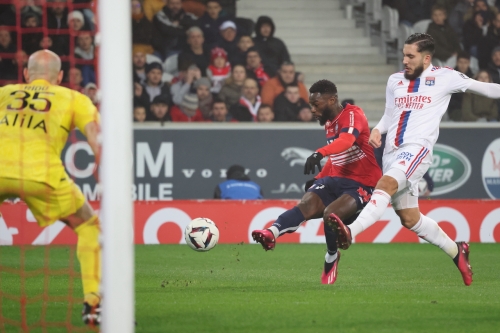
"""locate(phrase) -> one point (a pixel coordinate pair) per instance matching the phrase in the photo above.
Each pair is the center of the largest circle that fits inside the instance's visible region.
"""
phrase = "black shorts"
(330, 189)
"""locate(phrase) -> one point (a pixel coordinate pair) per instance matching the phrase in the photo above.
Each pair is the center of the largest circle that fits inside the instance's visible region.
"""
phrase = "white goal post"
(115, 81)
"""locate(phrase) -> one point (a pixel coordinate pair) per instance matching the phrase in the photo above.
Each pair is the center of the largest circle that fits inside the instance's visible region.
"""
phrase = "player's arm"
(86, 119)
(382, 127)
(490, 90)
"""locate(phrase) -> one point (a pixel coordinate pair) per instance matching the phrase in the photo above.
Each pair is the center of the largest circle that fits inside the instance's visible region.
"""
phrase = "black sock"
(455, 260)
(331, 245)
(289, 221)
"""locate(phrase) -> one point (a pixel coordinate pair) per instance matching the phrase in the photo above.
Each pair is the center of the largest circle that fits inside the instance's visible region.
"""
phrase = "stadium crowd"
(194, 61)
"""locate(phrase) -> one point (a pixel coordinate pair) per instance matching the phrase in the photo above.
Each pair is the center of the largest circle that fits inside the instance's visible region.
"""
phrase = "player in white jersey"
(416, 100)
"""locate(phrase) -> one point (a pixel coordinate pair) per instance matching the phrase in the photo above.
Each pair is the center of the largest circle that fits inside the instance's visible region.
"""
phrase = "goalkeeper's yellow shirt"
(35, 120)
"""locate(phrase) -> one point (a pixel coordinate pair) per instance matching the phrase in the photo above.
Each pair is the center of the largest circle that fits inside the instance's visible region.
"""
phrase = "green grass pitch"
(241, 288)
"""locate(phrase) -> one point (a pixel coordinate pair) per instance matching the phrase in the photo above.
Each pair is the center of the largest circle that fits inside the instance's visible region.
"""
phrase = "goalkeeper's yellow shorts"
(47, 204)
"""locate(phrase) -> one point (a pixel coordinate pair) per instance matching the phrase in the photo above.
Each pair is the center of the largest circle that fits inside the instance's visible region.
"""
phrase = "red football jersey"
(358, 162)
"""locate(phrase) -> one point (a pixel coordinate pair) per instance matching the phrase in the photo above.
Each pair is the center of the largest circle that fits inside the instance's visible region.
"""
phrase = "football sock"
(371, 213)
(331, 240)
(288, 222)
(429, 230)
(330, 260)
(88, 252)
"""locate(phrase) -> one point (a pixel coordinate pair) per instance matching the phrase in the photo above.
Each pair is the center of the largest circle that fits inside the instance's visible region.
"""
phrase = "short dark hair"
(425, 42)
(323, 87)
(253, 49)
(293, 85)
(263, 106)
(217, 100)
(463, 55)
(287, 63)
(439, 7)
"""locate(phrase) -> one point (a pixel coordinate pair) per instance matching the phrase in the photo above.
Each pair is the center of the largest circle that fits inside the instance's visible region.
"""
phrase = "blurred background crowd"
(196, 61)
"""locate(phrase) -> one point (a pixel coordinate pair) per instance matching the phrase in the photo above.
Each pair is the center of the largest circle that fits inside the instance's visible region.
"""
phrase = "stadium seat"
(404, 32)
(421, 26)
(389, 33)
(170, 68)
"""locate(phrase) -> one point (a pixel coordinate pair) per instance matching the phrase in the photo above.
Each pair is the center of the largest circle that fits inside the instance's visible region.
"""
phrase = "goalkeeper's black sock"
(330, 259)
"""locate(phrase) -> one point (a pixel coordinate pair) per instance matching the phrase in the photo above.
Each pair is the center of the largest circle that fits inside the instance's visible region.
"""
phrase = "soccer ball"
(201, 234)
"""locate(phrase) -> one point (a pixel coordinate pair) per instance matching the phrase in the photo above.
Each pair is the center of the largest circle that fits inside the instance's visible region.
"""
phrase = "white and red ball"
(201, 234)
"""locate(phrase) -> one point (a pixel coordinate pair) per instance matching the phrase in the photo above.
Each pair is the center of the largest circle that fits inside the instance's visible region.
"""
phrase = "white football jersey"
(415, 107)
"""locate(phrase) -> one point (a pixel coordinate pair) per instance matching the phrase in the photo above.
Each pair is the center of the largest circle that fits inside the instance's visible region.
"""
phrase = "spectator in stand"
(185, 84)
(188, 110)
(475, 30)
(288, 104)
(169, 29)
(139, 114)
(153, 86)
(196, 51)
(57, 19)
(139, 64)
(276, 85)
(152, 7)
(85, 46)
(210, 22)
(480, 6)
(456, 16)
(227, 38)
(237, 186)
(8, 17)
(265, 114)
(219, 112)
(31, 40)
(91, 92)
(488, 43)
(246, 109)
(447, 43)
(14, 71)
(412, 11)
(231, 90)
(479, 108)
(75, 79)
(219, 69)
(7, 46)
(205, 98)
(454, 111)
(142, 28)
(272, 50)
(159, 109)
(305, 114)
(57, 15)
(255, 68)
(240, 56)
(76, 21)
(494, 65)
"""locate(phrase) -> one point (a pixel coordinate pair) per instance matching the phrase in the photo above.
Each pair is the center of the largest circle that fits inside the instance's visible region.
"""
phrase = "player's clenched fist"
(375, 138)
(311, 162)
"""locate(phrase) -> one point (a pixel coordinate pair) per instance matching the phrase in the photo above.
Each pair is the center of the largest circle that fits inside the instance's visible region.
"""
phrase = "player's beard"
(325, 116)
(416, 72)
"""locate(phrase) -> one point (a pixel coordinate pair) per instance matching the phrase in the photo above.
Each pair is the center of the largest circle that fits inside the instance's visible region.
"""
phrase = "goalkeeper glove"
(311, 162)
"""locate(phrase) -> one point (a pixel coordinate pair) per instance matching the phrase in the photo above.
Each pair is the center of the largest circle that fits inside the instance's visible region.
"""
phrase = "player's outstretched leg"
(462, 262)
(332, 257)
(287, 222)
(343, 232)
(89, 255)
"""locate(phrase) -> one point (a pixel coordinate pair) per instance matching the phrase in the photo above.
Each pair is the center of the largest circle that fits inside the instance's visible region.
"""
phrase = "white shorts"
(414, 161)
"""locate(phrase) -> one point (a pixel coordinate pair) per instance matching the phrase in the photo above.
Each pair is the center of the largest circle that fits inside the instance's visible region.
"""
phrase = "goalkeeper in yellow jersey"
(35, 120)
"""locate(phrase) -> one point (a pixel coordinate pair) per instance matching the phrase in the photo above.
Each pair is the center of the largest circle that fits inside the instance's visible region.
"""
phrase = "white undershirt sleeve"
(383, 124)
(490, 90)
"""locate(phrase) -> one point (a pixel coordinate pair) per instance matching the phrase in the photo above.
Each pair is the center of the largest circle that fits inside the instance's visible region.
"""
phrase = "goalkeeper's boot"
(91, 315)
(329, 275)
(265, 238)
(343, 232)
(462, 262)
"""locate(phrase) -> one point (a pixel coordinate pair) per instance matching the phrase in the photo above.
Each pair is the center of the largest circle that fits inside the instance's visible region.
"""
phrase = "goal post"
(115, 79)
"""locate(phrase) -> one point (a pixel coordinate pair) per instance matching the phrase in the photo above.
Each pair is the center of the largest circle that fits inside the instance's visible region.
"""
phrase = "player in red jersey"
(345, 184)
